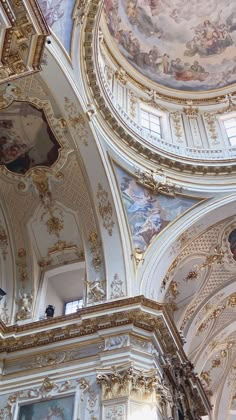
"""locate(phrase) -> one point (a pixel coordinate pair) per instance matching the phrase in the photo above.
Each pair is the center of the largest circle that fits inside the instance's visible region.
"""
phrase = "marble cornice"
(138, 311)
(121, 131)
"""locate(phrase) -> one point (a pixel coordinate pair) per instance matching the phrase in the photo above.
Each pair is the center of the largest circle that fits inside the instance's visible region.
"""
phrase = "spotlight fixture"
(2, 294)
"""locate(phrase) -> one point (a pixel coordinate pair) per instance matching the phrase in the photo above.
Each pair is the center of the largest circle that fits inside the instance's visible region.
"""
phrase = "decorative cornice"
(119, 128)
(148, 179)
(22, 40)
(138, 311)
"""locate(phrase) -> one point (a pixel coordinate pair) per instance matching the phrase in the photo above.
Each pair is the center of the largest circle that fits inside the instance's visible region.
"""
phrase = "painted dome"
(184, 45)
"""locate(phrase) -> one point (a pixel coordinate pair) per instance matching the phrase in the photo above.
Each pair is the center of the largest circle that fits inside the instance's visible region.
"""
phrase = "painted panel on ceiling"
(58, 15)
(147, 213)
(187, 45)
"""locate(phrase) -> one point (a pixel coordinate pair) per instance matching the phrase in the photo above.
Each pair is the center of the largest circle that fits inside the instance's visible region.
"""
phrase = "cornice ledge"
(90, 29)
(138, 311)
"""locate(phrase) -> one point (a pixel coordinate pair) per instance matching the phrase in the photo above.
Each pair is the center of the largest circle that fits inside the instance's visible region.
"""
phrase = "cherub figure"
(25, 305)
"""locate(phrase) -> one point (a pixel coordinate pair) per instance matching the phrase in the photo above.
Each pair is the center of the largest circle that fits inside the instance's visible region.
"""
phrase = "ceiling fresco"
(58, 15)
(149, 213)
(185, 45)
(26, 139)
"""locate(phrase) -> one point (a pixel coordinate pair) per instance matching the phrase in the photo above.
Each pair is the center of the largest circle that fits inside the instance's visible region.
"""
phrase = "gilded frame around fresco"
(58, 406)
(114, 163)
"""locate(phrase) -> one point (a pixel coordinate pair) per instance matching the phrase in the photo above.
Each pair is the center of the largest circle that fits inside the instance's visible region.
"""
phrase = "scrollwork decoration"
(105, 209)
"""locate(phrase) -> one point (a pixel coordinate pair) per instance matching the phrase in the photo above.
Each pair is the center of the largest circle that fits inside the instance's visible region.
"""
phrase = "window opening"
(151, 122)
(73, 306)
(230, 128)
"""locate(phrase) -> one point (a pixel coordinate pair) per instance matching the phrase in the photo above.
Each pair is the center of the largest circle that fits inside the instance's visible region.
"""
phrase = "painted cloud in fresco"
(58, 15)
(148, 214)
(182, 44)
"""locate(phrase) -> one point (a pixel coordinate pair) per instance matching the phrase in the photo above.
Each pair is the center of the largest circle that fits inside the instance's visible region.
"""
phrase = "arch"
(166, 248)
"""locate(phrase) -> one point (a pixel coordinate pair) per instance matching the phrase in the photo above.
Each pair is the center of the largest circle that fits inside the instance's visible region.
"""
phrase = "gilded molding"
(138, 256)
(3, 241)
(121, 76)
(61, 246)
(22, 265)
(46, 390)
(148, 180)
(211, 121)
(176, 117)
(105, 209)
(215, 257)
(95, 248)
(133, 105)
(23, 40)
(157, 320)
(111, 118)
(39, 177)
(81, 11)
(77, 121)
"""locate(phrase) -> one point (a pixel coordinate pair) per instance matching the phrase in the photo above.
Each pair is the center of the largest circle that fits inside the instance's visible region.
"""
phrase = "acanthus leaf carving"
(161, 186)
(95, 248)
(128, 382)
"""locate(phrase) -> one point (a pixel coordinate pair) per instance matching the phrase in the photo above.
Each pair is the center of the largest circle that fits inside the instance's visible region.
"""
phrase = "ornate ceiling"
(61, 192)
(23, 32)
(188, 45)
(199, 287)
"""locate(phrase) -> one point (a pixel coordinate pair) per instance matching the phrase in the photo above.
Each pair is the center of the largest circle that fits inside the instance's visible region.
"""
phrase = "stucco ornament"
(25, 306)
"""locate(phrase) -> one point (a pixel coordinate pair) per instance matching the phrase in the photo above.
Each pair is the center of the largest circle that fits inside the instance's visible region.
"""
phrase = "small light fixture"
(2, 294)
(50, 311)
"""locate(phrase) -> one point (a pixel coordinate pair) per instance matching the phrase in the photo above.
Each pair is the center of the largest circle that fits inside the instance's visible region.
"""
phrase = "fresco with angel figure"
(147, 213)
(187, 44)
